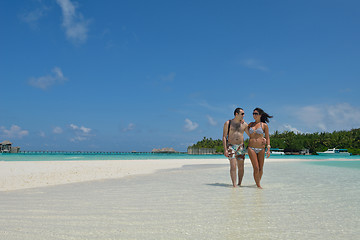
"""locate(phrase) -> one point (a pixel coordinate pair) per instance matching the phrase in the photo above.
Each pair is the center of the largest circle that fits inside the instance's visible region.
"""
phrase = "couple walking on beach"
(234, 148)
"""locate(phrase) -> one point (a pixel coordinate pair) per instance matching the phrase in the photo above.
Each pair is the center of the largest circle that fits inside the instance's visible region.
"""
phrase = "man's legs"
(240, 164)
(233, 170)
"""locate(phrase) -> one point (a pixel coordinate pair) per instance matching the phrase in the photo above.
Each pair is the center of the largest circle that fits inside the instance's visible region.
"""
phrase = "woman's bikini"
(259, 130)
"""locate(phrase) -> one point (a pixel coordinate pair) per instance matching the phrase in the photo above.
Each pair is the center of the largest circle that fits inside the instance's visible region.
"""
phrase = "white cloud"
(42, 134)
(82, 129)
(190, 126)
(85, 130)
(342, 116)
(211, 120)
(254, 64)
(81, 133)
(34, 16)
(47, 81)
(78, 139)
(76, 27)
(312, 116)
(288, 127)
(344, 113)
(14, 132)
(130, 127)
(57, 130)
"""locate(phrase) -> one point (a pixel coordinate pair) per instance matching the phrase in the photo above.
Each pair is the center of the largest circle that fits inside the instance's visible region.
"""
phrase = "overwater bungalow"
(6, 147)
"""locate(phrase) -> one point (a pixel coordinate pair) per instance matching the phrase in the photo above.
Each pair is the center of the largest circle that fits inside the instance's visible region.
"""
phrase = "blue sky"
(135, 75)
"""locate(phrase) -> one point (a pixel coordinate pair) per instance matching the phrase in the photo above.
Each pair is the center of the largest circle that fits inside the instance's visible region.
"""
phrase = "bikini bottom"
(257, 150)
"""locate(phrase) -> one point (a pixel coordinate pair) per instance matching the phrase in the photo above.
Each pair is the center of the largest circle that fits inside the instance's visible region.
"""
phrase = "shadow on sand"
(230, 185)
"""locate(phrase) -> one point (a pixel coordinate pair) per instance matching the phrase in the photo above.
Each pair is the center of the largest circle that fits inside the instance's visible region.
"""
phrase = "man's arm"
(225, 133)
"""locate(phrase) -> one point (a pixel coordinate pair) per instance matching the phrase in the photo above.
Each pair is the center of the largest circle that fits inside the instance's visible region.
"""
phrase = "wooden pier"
(84, 153)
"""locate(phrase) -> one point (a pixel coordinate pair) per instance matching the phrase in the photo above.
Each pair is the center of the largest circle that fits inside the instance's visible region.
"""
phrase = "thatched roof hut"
(6, 143)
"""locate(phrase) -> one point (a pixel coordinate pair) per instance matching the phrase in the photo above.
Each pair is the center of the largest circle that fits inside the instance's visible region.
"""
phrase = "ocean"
(144, 156)
(300, 200)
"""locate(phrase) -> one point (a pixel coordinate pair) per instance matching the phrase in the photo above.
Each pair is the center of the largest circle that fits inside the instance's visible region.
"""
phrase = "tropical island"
(296, 142)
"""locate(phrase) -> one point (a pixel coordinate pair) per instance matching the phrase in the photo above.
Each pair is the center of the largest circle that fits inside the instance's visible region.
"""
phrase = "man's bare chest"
(236, 128)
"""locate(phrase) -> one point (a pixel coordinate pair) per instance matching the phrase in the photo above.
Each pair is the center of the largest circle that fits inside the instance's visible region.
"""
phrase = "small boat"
(335, 152)
(277, 151)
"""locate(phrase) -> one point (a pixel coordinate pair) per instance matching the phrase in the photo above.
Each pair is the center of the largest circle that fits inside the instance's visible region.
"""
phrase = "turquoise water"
(80, 157)
(137, 156)
(300, 200)
(345, 164)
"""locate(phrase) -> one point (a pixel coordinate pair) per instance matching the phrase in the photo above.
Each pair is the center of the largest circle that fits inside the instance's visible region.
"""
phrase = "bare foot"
(259, 187)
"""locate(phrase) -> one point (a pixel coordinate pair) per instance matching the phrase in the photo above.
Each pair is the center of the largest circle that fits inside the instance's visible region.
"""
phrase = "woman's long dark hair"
(264, 116)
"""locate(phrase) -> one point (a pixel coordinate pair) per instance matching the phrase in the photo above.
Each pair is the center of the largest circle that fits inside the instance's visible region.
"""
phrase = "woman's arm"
(267, 137)
(246, 129)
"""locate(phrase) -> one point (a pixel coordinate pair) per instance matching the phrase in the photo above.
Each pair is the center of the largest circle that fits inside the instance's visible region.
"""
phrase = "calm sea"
(144, 156)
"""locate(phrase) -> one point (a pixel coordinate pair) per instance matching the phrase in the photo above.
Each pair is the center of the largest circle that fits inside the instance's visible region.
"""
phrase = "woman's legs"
(256, 165)
(261, 158)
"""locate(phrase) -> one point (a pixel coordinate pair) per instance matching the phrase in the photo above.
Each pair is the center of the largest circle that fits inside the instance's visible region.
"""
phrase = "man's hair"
(237, 110)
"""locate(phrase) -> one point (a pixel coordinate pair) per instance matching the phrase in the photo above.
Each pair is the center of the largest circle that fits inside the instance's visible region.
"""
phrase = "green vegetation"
(290, 141)
(210, 143)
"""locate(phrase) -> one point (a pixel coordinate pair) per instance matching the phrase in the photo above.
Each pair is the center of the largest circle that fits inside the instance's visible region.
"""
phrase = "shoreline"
(17, 175)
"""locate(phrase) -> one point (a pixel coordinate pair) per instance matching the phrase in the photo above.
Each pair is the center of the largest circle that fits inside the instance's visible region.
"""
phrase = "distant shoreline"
(141, 153)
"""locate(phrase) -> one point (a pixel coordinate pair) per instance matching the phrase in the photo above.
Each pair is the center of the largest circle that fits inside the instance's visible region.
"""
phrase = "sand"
(22, 175)
(298, 201)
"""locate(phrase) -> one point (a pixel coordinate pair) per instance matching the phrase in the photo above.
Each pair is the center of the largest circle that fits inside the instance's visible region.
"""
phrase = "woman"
(256, 147)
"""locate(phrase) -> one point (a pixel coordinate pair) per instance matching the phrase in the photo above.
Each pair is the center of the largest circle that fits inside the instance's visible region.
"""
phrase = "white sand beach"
(184, 199)
(22, 174)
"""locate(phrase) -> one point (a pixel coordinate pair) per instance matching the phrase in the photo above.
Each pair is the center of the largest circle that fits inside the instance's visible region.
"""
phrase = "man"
(233, 142)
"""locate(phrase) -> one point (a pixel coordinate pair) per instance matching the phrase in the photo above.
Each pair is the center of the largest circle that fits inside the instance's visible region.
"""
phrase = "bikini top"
(258, 130)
